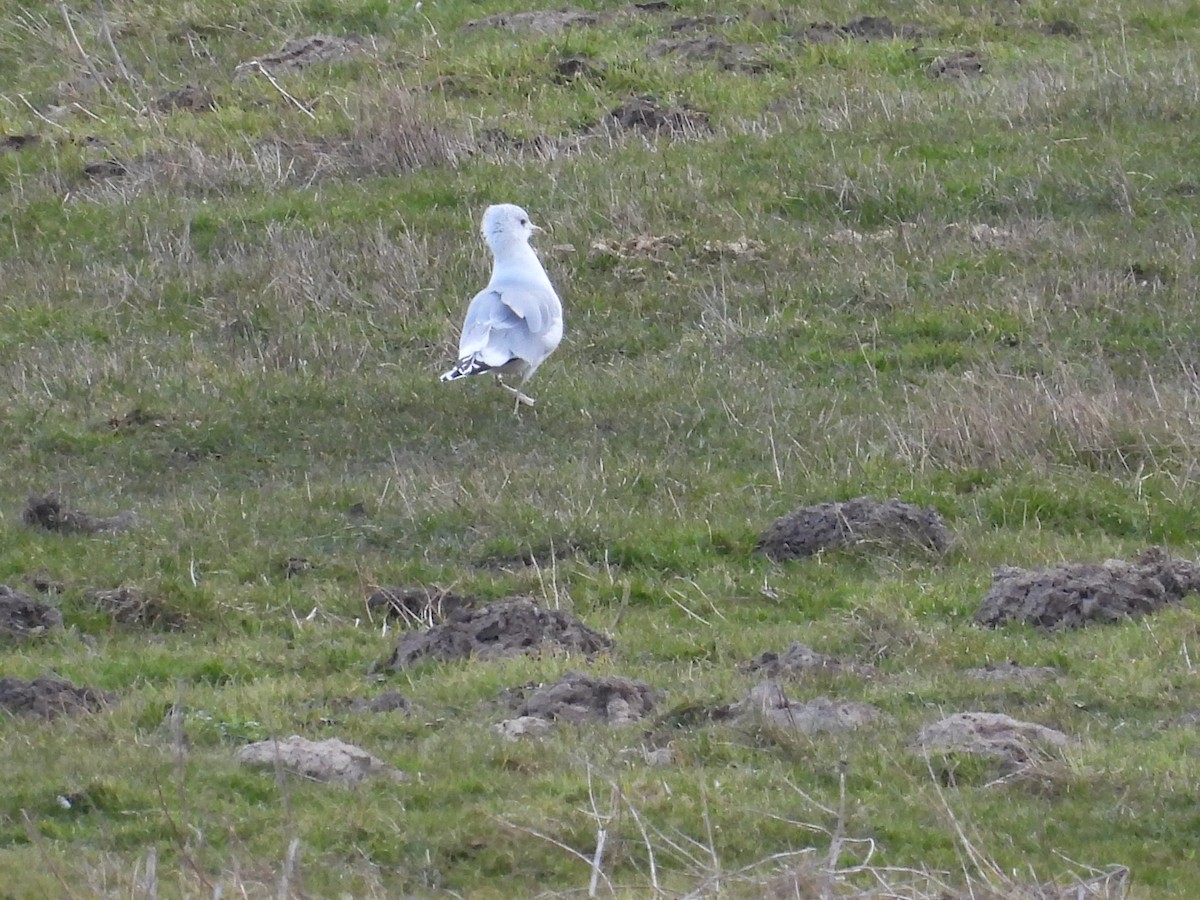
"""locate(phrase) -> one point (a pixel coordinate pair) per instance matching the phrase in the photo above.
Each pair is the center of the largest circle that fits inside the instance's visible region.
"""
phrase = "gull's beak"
(536, 229)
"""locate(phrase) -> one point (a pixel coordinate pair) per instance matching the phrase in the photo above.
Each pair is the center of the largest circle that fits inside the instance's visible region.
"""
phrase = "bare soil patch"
(797, 661)
(1071, 595)
(22, 616)
(49, 696)
(498, 629)
(418, 605)
(49, 512)
(767, 701)
(992, 735)
(709, 48)
(889, 525)
(302, 52)
(330, 760)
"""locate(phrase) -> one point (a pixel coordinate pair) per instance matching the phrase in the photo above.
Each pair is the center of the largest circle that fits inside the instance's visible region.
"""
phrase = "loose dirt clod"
(47, 511)
(330, 760)
(768, 701)
(796, 661)
(498, 629)
(578, 697)
(891, 524)
(22, 616)
(417, 605)
(1071, 595)
(49, 696)
(991, 735)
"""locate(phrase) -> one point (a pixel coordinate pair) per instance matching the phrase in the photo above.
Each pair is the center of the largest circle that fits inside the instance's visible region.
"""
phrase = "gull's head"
(505, 224)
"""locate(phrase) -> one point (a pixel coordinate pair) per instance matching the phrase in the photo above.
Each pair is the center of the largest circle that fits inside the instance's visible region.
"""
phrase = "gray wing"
(511, 321)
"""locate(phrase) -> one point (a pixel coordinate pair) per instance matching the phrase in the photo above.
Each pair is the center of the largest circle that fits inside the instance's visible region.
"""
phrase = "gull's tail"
(469, 365)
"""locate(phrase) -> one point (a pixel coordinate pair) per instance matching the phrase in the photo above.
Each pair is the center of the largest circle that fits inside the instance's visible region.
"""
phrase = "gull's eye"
(524, 221)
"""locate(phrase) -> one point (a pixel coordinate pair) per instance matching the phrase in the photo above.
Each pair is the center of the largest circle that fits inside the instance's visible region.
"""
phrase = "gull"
(515, 322)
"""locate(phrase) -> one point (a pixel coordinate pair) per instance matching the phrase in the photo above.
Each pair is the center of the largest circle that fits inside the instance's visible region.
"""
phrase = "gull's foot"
(521, 398)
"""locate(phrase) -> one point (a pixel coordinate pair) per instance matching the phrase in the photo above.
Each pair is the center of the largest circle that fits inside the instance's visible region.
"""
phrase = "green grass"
(974, 294)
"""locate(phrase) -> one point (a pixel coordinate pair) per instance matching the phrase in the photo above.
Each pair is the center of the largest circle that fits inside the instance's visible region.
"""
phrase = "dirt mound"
(133, 606)
(821, 715)
(646, 115)
(22, 616)
(299, 53)
(578, 697)
(956, 65)
(498, 629)
(48, 696)
(18, 141)
(866, 28)
(189, 97)
(892, 524)
(573, 68)
(692, 23)
(550, 21)
(104, 169)
(329, 760)
(1071, 595)
(709, 48)
(1061, 28)
(555, 21)
(47, 511)
(418, 605)
(796, 661)
(388, 701)
(992, 735)
(1011, 671)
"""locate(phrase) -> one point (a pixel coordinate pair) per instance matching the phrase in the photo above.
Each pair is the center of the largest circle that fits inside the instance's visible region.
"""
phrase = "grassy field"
(837, 270)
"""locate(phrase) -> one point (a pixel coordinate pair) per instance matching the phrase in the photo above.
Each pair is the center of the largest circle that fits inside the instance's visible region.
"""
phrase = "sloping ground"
(879, 375)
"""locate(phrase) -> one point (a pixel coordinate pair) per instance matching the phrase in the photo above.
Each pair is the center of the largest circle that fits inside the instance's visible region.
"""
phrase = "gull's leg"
(521, 398)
